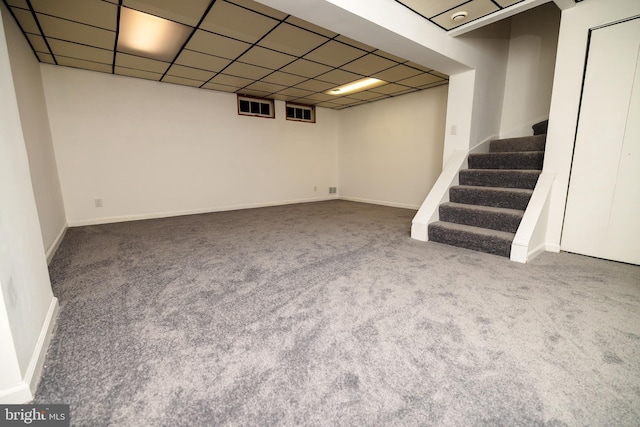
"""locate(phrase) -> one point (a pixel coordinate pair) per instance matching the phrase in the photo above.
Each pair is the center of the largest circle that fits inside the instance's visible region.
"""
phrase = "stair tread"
(505, 235)
(492, 209)
(487, 189)
(528, 171)
(508, 153)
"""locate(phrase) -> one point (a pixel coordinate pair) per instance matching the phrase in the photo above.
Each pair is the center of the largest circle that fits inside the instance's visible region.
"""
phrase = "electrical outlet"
(98, 203)
(454, 130)
(315, 188)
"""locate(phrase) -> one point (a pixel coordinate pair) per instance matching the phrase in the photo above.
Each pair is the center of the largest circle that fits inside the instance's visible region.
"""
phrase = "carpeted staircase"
(485, 210)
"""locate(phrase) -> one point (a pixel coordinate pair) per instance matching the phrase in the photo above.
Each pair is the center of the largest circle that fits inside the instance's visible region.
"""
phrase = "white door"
(603, 205)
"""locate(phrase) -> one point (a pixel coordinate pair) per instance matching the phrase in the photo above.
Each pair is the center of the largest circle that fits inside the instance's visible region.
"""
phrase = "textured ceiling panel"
(236, 46)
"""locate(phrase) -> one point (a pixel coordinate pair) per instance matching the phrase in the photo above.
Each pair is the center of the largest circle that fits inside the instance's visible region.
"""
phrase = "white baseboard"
(34, 370)
(125, 218)
(381, 202)
(552, 247)
(24, 392)
(56, 244)
(17, 395)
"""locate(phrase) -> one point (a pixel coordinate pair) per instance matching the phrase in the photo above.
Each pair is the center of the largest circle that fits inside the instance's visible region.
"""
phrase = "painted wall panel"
(151, 149)
(37, 135)
(391, 150)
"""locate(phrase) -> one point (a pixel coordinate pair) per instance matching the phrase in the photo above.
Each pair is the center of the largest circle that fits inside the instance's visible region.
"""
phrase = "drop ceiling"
(237, 46)
(440, 12)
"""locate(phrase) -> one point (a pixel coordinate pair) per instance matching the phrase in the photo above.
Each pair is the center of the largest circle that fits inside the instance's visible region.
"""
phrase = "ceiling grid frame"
(271, 69)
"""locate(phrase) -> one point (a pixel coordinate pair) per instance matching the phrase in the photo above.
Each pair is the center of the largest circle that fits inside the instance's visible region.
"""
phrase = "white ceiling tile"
(189, 73)
(138, 73)
(266, 58)
(292, 40)
(316, 85)
(368, 65)
(219, 87)
(420, 80)
(182, 81)
(228, 80)
(305, 68)
(237, 22)
(38, 43)
(78, 51)
(339, 77)
(213, 44)
(284, 79)
(26, 21)
(431, 8)
(186, 12)
(265, 87)
(334, 54)
(46, 58)
(139, 63)
(260, 8)
(203, 61)
(399, 72)
(85, 65)
(75, 32)
(18, 3)
(247, 71)
(92, 12)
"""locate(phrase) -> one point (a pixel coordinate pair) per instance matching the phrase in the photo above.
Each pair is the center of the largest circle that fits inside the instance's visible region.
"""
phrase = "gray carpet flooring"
(329, 314)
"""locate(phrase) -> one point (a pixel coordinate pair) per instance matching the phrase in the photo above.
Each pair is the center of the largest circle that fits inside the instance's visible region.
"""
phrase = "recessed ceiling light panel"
(150, 36)
(357, 86)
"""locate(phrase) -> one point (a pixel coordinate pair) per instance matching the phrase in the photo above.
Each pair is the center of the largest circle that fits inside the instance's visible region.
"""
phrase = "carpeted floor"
(329, 314)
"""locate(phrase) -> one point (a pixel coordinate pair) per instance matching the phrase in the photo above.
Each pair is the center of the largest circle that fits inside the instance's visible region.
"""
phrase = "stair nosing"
(477, 230)
(485, 208)
(487, 188)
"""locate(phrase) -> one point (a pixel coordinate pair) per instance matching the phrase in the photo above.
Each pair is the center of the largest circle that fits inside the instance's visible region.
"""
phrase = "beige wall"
(391, 150)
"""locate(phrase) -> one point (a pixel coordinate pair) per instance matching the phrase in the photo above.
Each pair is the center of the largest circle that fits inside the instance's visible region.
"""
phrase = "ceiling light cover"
(459, 16)
(150, 36)
(356, 86)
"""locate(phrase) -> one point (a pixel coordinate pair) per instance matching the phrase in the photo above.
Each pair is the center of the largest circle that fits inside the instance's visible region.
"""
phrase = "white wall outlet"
(98, 203)
(454, 130)
(315, 188)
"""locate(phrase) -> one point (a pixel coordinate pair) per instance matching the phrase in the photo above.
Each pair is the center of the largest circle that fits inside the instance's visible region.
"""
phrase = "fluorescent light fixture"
(150, 36)
(356, 86)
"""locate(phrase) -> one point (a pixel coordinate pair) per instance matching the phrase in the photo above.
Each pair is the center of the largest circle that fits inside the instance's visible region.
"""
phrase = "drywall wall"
(35, 128)
(27, 301)
(150, 149)
(565, 100)
(529, 79)
(391, 150)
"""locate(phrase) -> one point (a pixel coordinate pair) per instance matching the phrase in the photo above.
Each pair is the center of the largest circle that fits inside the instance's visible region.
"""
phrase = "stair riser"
(506, 161)
(498, 199)
(530, 143)
(472, 241)
(476, 218)
(505, 179)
